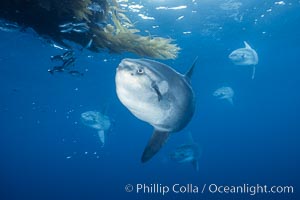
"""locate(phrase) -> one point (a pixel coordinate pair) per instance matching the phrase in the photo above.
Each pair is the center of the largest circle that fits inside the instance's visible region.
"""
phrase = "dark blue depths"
(47, 153)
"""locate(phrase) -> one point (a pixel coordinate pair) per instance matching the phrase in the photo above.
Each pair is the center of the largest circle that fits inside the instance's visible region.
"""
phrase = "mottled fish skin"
(165, 114)
(244, 56)
(158, 95)
(98, 121)
(187, 153)
(182, 154)
(95, 120)
(224, 93)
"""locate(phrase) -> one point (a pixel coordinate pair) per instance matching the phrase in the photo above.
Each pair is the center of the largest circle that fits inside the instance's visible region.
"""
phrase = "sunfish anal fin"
(253, 72)
(157, 140)
(101, 137)
(230, 100)
(195, 164)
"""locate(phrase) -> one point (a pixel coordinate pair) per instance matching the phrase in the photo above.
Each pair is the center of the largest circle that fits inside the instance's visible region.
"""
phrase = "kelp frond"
(106, 23)
(121, 36)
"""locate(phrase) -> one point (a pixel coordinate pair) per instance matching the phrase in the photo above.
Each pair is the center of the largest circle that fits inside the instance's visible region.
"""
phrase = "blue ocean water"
(47, 153)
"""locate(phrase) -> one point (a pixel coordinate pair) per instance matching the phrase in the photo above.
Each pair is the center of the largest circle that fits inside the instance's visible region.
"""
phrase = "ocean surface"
(48, 153)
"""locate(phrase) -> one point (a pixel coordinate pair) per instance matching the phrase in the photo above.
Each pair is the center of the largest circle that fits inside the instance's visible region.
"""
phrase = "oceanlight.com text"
(250, 189)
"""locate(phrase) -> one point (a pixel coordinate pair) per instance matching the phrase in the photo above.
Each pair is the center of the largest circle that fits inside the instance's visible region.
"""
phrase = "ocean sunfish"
(98, 121)
(157, 94)
(187, 153)
(224, 93)
(245, 56)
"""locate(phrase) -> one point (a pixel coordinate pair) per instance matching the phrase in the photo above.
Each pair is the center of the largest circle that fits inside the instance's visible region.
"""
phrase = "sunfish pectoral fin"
(101, 136)
(189, 73)
(195, 164)
(247, 46)
(157, 91)
(157, 140)
(253, 71)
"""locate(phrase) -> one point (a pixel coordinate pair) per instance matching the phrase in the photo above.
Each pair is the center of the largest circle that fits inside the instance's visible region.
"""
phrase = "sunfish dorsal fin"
(189, 73)
(105, 107)
(247, 46)
(157, 140)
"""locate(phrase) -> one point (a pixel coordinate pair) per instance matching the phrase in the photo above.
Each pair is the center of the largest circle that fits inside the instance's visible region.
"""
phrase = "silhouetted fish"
(75, 73)
(56, 69)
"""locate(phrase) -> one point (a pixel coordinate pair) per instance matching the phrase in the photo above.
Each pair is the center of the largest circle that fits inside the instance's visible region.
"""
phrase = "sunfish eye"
(140, 71)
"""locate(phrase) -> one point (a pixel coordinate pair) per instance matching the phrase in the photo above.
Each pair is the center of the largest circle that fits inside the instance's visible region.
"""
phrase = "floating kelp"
(94, 24)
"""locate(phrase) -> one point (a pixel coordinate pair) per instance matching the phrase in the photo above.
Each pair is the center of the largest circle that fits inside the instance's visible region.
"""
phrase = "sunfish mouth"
(231, 55)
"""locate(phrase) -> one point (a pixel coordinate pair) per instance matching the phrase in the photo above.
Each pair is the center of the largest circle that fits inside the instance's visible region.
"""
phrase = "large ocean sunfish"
(245, 56)
(157, 94)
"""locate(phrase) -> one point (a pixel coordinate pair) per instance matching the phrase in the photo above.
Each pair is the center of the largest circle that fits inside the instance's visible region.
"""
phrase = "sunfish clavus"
(245, 56)
(157, 94)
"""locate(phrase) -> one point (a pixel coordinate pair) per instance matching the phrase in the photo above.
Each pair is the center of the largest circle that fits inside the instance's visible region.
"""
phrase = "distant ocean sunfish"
(158, 95)
(187, 153)
(225, 93)
(245, 57)
(98, 121)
